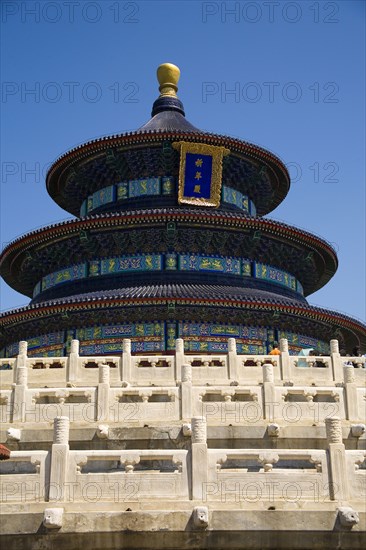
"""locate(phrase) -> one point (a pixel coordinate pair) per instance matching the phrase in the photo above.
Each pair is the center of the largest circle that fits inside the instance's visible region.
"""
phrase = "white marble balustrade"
(24, 477)
(128, 475)
(222, 404)
(266, 475)
(165, 370)
(203, 474)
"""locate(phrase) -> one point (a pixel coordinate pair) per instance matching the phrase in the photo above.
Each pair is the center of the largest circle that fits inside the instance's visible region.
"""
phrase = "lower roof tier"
(228, 306)
(57, 250)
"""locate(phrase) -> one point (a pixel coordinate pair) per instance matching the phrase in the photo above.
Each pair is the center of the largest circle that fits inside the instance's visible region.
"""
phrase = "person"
(5, 366)
(275, 350)
(343, 353)
(356, 353)
(318, 363)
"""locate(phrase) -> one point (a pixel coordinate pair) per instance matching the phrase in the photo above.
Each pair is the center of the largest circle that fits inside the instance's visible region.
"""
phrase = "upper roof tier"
(148, 153)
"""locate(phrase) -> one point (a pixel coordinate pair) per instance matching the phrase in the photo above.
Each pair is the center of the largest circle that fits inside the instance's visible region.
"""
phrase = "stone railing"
(252, 475)
(221, 405)
(165, 370)
(221, 401)
(128, 475)
(203, 474)
(25, 477)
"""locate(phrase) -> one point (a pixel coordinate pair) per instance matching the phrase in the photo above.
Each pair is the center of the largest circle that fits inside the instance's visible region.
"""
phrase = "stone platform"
(183, 451)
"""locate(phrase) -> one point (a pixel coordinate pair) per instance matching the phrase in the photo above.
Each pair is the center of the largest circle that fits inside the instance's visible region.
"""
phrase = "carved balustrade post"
(103, 392)
(351, 394)
(126, 361)
(268, 375)
(336, 361)
(179, 358)
(22, 356)
(73, 362)
(21, 383)
(59, 459)
(232, 360)
(269, 392)
(337, 459)
(199, 457)
(186, 388)
(285, 364)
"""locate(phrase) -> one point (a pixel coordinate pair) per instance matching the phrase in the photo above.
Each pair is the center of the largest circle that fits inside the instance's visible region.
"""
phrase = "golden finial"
(168, 76)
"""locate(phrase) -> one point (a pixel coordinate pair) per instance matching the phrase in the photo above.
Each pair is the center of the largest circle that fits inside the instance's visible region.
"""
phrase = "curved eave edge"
(96, 221)
(145, 138)
(65, 229)
(45, 309)
(135, 137)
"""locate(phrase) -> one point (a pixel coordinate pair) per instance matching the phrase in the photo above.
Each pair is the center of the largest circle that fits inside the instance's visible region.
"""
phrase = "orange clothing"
(275, 351)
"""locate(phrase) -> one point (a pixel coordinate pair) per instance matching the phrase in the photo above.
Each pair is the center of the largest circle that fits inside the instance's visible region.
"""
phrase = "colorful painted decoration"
(157, 186)
(167, 185)
(11, 350)
(94, 268)
(128, 330)
(46, 345)
(299, 341)
(186, 329)
(114, 348)
(235, 197)
(47, 340)
(128, 190)
(108, 339)
(104, 196)
(160, 336)
(268, 273)
(222, 347)
(52, 351)
(212, 338)
(64, 275)
(142, 187)
(193, 262)
(169, 262)
(144, 262)
(122, 191)
(246, 268)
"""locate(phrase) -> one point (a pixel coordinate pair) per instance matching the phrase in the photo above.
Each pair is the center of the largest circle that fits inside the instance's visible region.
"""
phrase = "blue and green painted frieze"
(172, 261)
(160, 337)
(155, 186)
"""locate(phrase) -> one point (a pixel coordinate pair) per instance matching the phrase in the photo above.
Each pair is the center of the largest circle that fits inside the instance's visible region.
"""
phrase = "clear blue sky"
(296, 70)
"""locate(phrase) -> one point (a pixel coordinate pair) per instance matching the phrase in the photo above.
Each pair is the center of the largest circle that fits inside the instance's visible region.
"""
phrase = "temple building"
(144, 402)
(170, 241)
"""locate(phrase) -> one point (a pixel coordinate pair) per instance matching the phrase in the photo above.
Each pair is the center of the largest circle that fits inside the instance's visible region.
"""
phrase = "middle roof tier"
(180, 244)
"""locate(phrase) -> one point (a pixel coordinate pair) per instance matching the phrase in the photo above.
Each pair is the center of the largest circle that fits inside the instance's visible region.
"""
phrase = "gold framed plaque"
(200, 173)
